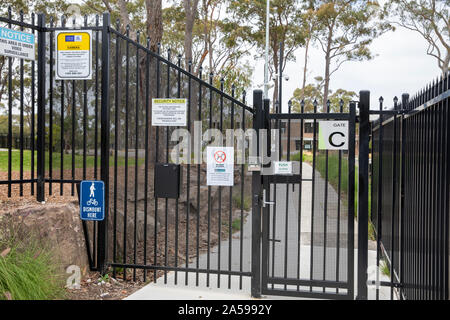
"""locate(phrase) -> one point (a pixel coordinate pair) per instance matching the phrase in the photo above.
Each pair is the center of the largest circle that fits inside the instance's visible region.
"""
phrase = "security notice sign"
(17, 44)
(169, 112)
(74, 55)
(333, 135)
(220, 166)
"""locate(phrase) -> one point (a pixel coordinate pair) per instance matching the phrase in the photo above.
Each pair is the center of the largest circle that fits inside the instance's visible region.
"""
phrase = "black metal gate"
(308, 216)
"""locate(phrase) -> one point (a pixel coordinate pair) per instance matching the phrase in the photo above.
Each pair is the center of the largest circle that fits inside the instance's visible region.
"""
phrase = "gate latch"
(270, 203)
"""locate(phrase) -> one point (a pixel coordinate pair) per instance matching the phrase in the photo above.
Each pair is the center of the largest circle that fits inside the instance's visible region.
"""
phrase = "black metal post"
(41, 111)
(104, 157)
(256, 205)
(403, 133)
(363, 193)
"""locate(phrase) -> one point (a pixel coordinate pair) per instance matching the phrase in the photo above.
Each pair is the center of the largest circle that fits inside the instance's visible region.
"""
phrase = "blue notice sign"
(92, 200)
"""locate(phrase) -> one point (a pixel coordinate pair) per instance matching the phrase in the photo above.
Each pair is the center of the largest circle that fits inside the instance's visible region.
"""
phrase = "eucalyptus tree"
(345, 31)
(430, 19)
(249, 18)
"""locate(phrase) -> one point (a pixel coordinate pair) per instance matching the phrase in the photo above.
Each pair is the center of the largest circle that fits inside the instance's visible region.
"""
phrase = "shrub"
(28, 271)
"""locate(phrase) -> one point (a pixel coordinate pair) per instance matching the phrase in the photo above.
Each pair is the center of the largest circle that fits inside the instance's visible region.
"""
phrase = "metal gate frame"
(261, 278)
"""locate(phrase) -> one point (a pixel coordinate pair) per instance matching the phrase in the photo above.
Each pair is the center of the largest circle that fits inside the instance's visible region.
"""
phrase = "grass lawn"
(90, 161)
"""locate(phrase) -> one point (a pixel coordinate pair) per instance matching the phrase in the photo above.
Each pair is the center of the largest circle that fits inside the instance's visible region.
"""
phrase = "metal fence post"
(105, 137)
(256, 205)
(40, 196)
(363, 193)
(405, 102)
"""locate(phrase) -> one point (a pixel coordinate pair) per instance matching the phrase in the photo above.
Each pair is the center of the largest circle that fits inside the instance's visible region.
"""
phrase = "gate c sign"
(333, 135)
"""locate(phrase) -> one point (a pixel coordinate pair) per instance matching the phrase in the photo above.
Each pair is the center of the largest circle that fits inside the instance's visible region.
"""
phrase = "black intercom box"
(167, 180)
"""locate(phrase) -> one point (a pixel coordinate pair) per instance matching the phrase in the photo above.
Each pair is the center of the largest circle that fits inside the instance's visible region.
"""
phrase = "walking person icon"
(92, 189)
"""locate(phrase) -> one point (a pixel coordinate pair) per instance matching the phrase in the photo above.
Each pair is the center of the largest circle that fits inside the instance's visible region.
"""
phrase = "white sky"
(401, 66)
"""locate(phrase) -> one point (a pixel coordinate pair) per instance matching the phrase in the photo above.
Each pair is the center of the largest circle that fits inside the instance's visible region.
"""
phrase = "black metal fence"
(410, 193)
(101, 129)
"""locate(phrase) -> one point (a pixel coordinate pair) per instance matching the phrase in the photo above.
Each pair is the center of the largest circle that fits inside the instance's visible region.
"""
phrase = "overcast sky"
(401, 66)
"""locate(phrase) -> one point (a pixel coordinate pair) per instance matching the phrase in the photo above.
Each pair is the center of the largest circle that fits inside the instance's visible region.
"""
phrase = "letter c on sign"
(330, 139)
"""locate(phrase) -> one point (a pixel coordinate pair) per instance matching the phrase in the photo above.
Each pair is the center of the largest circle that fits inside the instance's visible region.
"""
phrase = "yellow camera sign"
(74, 55)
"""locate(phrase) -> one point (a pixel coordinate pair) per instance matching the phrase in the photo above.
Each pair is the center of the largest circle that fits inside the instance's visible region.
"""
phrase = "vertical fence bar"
(241, 240)
(147, 123)
(286, 219)
(199, 147)
(230, 216)
(21, 116)
(50, 115)
(116, 141)
(314, 147)
(85, 115)
(62, 143)
(136, 156)
(363, 193)
(380, 197)
(351, 198)
(188, 182)
(166, 217)
(158, 84)
(41, 38)
(96, 98)
(300, 186)
(177, 201)
(105, 134)
(208, 254)
(445, 224)
(33, 107)
(73, 142)
(325, 209)
(127, 98)
(256, 200)
(219, 232)
(404, 162)
(338, 224)
(394, 200)
(41, 111)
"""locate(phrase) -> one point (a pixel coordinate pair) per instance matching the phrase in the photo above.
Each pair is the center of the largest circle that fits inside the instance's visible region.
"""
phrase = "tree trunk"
(305, 68)
(190, 9)
(326, 86)
(155, 32)
(276, 67)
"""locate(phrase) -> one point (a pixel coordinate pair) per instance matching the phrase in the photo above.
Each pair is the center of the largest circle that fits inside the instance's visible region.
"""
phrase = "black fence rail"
(410, 192)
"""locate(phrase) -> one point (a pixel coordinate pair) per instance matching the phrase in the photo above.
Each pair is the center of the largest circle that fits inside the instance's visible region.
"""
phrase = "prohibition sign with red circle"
(220, 156)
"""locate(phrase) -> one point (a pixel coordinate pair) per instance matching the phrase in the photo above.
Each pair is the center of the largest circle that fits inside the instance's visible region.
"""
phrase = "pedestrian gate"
(308, 215)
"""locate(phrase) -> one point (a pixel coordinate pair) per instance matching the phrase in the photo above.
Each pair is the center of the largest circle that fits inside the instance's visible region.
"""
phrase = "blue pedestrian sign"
(92, 200)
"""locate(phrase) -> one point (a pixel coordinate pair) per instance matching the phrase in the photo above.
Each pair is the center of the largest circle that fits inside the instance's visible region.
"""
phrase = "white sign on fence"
(169, 112)
(73, 55)
(220, 166)
(283, 168)
(17, 44)
(333, 135)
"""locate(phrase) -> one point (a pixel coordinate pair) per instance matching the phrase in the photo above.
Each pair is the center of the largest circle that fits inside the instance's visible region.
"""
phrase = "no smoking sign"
(220, 156)
(220, 166)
